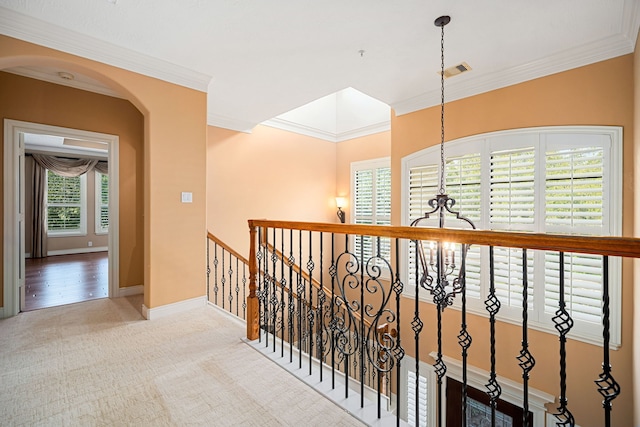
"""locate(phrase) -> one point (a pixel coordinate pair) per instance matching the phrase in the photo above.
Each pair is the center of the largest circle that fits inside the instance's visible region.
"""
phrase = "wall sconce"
(340, 203)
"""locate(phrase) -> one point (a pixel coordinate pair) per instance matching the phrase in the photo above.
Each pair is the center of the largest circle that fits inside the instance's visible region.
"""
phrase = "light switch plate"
(187, 197)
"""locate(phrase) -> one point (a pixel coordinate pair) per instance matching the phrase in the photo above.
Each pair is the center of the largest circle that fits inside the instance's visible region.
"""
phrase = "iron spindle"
(223, 279)
(215, 273)
(464, 339)
(439, 367)
(274, 294)
(259, 284)
(416, 325)
(230, 282)
(362, 335)
(265, 290)
(563, 324)
(525, 359)
(321, 301)
(607, 385)
(208, 268)
(493, 306)
(300, 297)
(310, 313)
(291, 262)
(398, 350)
(237, 287)
(244, 291)
(283, 285)
(332, 324)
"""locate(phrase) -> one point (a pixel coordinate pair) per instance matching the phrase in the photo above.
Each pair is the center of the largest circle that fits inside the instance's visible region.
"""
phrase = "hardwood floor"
(65, 279)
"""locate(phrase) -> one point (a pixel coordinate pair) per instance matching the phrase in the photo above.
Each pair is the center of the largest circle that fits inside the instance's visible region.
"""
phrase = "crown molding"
(35, 74)
(230, 123)
(364, 131)
(23, 27)
(590, 53)
(301, 129)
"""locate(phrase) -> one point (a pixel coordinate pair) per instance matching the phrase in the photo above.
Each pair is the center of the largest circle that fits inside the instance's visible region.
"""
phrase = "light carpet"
(100, 363)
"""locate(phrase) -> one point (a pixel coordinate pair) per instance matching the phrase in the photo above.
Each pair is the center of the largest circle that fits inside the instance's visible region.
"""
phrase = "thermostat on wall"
(187, 197)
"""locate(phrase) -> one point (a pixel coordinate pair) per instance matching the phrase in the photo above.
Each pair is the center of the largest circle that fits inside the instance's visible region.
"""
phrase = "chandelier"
(440, 274)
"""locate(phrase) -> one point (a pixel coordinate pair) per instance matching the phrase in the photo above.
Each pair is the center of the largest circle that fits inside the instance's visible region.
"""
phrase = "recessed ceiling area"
(65, 147)
(260, 60)
(343, 115)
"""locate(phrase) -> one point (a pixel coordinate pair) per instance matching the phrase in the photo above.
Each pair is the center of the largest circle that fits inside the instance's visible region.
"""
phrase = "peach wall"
(270, 174)
(598, 94)
(174, 161)
(354, 150)
(47, 103)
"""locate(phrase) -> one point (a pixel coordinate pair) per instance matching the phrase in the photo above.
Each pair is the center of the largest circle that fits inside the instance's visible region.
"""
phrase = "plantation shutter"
(372, 193)
(574, 202)
(423, 186)
(422, 400)
(102, 205)
(64, 198)
(512, 207)
(463, 184)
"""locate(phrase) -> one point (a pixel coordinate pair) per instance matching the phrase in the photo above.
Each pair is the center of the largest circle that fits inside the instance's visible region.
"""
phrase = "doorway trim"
(13, 192)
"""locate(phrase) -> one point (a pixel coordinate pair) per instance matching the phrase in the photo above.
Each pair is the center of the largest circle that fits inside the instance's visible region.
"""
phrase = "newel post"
(253, 312)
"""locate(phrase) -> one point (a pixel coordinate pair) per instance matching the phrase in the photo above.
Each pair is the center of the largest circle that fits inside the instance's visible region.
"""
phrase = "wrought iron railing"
(227, 277)
(353, 313)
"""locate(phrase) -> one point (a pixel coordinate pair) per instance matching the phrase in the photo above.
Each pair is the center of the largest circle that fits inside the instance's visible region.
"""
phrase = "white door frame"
(13, 245)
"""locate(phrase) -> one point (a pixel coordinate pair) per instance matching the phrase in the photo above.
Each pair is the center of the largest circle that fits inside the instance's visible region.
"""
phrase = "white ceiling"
(260, 59)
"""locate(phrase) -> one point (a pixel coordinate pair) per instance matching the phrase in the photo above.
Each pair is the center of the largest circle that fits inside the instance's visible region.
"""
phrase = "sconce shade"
(341, 202)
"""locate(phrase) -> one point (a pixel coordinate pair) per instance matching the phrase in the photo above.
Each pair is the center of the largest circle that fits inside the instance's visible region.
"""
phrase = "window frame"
(99, 229)
(82, 231)
(487, 143)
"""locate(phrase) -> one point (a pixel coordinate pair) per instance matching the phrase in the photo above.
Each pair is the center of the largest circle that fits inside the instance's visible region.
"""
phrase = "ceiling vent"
(456, 69)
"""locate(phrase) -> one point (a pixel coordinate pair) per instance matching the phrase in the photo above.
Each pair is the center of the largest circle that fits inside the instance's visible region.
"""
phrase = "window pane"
(512, 188)
(62, 218)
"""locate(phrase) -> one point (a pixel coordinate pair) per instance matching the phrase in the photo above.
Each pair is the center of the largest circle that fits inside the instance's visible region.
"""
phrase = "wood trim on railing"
(227, 248)
(611, 246)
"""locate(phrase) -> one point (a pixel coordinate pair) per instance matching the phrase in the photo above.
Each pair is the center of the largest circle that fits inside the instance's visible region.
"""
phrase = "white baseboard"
(174, 308)
(78, 251)
(131, 290)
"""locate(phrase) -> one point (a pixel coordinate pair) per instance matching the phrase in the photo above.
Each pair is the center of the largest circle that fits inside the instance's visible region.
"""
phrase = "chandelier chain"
(442, 162)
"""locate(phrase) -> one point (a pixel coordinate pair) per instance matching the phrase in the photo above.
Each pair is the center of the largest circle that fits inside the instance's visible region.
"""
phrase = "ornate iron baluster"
(321, 301)
(493, 306)
(416, 325)
(361, 323)
(215, 274)
(223, 279)
(230, 272)
(208, 268)
(607, 385)
(563, 324)
(310, 313)
(525, 359)
(439, 298)
(237, 287)
(274, 295)
(260, 285)
(283, 285)
(291, 262)
(332, 324)
(347, 332)
(464, 339)
(301, 292)
(398, 351)
(244, 291)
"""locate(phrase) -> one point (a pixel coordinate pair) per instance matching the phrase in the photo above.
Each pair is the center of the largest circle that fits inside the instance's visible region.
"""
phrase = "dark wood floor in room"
(65, 279)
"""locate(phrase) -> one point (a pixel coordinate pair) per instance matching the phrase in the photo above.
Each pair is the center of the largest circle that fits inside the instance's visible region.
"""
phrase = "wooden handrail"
(227, 248)
(611, 246)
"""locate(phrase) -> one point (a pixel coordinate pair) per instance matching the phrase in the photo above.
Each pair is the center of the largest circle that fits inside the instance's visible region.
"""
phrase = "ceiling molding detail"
(230, 123)
(23, 27)
(313, 132)
(601, 50)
